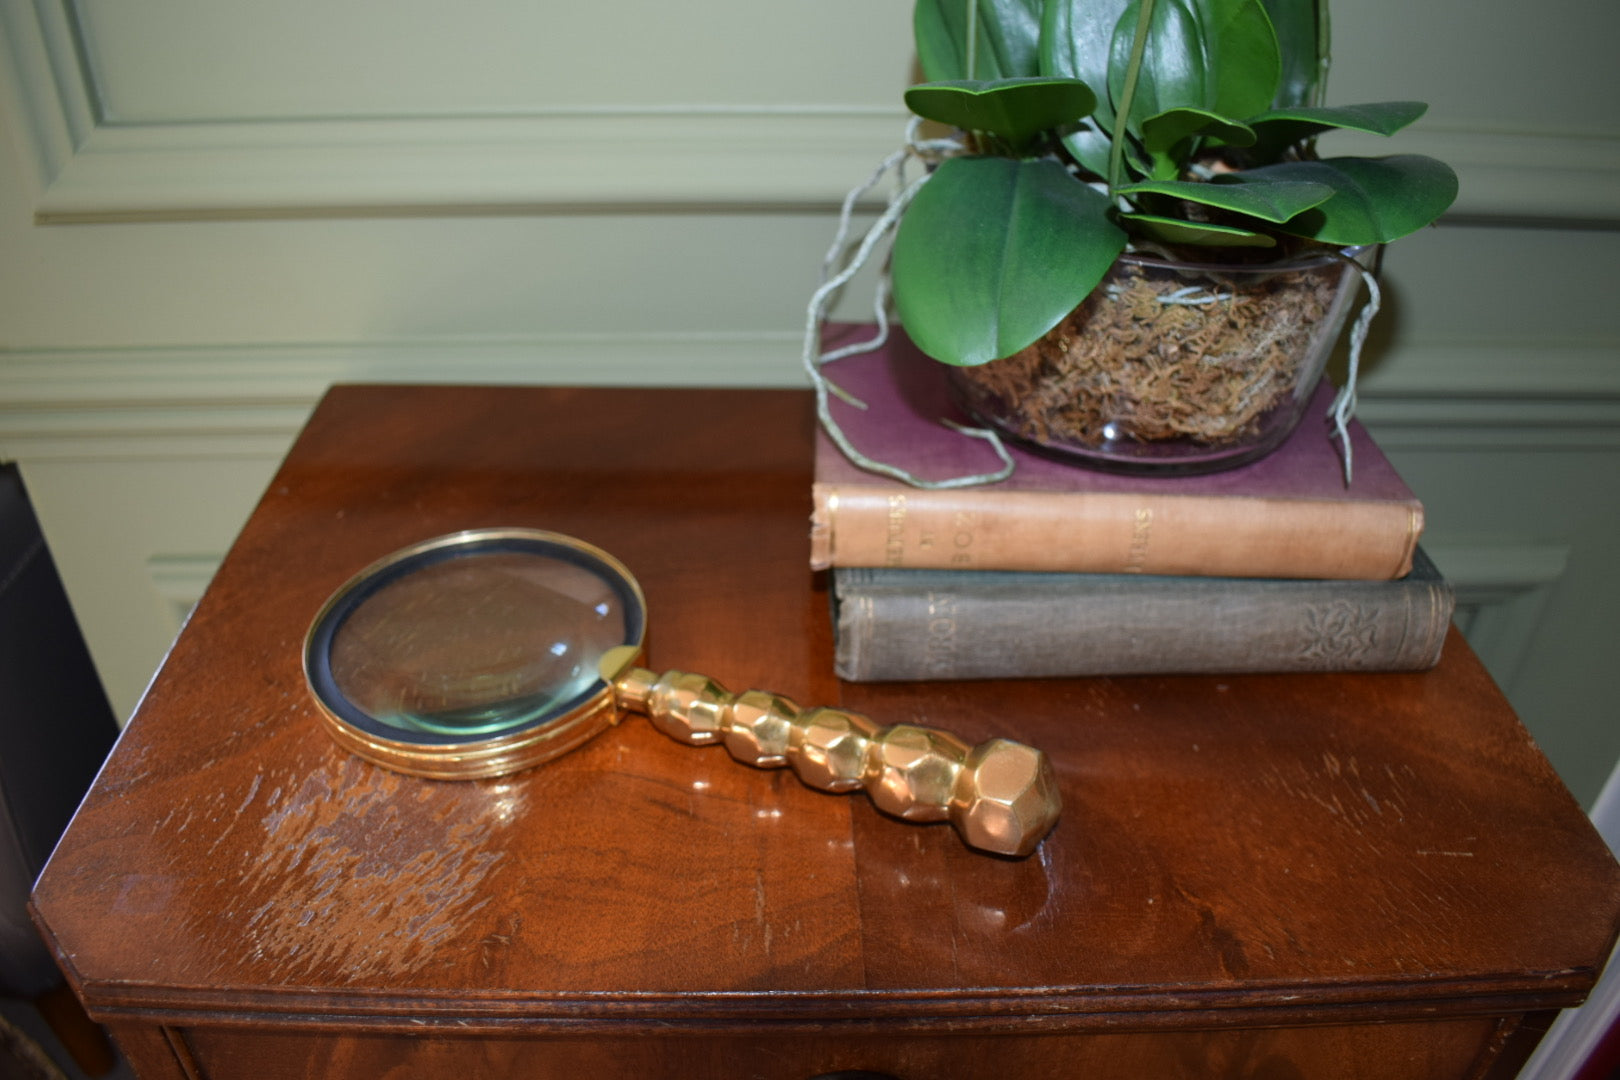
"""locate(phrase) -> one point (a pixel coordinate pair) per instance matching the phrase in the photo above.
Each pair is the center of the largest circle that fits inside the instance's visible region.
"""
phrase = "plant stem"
(1127, 97)
(972, 38)
(1324, 52)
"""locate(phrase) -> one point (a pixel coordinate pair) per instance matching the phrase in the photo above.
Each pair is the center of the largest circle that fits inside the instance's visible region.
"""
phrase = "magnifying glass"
(484, 652)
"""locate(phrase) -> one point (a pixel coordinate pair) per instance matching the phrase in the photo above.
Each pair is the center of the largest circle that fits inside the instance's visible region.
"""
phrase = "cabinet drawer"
(1394, 1051)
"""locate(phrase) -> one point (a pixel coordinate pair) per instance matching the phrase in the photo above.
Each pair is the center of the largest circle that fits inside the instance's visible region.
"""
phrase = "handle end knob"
(1006, 798)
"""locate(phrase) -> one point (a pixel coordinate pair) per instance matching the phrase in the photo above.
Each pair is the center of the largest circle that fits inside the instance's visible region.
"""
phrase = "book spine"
(910, 625)
(1215, 536)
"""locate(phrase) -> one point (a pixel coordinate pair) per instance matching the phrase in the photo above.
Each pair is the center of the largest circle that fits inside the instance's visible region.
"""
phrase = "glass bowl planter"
(1172, 367)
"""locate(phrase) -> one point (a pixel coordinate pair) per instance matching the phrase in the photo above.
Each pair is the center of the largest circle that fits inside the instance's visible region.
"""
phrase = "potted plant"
(1134, 190)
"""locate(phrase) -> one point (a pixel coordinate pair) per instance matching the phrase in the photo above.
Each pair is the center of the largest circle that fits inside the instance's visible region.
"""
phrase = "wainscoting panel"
(1501, 594)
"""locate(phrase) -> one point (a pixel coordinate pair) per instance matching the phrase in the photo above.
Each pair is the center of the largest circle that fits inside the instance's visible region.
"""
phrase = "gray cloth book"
(911, 624)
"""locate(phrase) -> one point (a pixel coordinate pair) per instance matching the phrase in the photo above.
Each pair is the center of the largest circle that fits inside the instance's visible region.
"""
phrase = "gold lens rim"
(478, 758)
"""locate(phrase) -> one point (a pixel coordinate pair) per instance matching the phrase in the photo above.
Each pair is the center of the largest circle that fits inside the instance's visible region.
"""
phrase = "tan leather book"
(1290, 514)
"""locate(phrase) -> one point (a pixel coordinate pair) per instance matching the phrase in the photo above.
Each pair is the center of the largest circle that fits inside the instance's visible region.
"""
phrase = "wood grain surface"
(1283, 869)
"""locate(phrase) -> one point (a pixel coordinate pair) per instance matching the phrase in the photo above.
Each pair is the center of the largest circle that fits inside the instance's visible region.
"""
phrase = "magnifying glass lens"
(479, 643)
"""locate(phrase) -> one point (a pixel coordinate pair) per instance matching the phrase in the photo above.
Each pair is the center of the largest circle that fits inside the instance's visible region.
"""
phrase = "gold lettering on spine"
(1141, 535)
(894, 538)
(963, 524)
(939, 647)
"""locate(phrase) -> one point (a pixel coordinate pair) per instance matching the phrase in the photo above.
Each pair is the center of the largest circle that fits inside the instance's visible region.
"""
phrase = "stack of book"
(1274, 566)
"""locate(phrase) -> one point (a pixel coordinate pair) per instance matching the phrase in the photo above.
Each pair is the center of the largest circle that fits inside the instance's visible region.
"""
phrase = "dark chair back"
(56, 728)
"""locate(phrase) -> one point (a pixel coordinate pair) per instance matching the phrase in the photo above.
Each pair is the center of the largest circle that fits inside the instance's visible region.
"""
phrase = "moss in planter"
(1154, 355)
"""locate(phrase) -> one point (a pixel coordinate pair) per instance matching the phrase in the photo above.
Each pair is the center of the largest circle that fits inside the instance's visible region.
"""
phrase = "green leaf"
(1008, 43)
(1245, 60)
(1276, 201)
(1301, 28)
(1016, 109)
(1076, 38)
(1377, 118)
(994, 252)
(1177, 231)
(1214, 55)
(1375, 200)
(1089, 147)
(1175, 72)
(1161, 132)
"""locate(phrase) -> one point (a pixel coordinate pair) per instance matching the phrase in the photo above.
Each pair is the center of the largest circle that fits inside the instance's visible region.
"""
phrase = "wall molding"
(180, 580)
(1502, 590)
(1495, 395)
(249, 400)
(91, 169)
(446, 167)
(706, 159)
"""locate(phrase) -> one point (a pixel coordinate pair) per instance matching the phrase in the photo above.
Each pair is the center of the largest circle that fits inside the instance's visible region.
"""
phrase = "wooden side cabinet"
(1337, 876)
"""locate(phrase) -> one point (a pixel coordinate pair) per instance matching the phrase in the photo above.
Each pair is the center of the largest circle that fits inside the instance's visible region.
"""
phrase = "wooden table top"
(1300, 847)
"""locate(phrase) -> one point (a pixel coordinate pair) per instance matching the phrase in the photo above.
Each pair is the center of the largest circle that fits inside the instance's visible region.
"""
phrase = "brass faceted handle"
(1001, 796)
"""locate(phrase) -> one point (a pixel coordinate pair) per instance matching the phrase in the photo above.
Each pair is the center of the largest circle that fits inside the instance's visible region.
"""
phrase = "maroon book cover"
(907, 398)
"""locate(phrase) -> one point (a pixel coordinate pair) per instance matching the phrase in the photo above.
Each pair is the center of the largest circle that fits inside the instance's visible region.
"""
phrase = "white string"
(835, 275)
(1187, 296)
(1344, 403)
